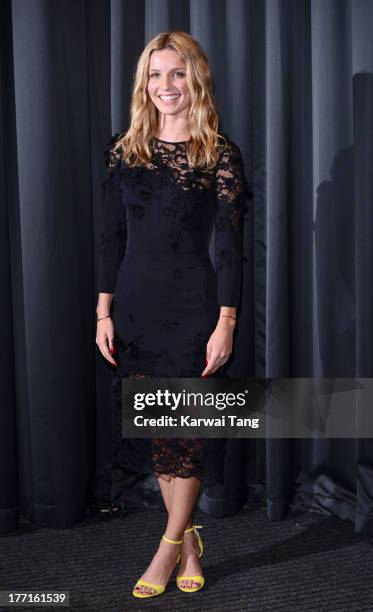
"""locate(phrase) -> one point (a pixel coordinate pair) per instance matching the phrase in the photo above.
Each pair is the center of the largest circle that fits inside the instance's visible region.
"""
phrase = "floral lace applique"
(230, 187)
(173, 157)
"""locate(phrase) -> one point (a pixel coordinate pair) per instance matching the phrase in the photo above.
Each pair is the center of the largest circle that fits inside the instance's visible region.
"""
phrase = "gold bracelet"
(100, 319)
(228, 315)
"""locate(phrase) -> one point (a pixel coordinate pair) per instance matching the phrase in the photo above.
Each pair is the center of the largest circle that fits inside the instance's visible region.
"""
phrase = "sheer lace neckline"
(169, 142)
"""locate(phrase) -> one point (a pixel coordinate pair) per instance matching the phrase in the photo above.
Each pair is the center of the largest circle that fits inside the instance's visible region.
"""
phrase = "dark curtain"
(294, 88)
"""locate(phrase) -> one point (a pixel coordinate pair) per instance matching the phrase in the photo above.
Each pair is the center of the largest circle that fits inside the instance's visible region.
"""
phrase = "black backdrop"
(295, 91)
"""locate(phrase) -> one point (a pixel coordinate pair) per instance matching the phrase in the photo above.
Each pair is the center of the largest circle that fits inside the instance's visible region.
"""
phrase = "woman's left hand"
(219, 346)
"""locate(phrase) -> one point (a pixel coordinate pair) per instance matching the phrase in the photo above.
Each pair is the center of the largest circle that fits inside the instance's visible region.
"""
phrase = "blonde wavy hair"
(203, 147)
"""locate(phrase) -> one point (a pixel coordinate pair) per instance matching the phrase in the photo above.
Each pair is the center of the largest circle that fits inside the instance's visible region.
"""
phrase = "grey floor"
(306, 562)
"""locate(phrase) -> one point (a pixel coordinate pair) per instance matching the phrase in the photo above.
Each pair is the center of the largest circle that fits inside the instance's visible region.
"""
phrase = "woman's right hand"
(105, 339)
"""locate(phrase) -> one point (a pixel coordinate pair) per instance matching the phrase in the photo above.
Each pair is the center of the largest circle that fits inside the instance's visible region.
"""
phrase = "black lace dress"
(157, 225)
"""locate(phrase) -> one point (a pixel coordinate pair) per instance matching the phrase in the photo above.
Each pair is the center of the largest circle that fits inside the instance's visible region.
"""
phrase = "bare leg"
(182, 495)
(189, 562)
(190, 565)
(165, 485)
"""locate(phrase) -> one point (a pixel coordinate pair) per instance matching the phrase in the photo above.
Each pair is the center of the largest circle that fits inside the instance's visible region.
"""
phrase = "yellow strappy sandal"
(199, 579)
(159, 588)
(200, 543)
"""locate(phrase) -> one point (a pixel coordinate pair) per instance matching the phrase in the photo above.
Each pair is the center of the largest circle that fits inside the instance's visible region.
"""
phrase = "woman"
(171, 179)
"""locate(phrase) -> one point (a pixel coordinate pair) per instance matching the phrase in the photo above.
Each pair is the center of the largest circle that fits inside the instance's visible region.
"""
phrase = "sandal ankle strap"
(194, 528)
(172, 541)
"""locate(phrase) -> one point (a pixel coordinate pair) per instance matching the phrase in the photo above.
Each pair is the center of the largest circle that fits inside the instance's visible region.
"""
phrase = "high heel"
(158, 588)
(200, 543)
(199, 579)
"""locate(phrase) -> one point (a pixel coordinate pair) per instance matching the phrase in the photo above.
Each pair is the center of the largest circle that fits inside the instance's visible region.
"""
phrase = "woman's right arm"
(112, 247)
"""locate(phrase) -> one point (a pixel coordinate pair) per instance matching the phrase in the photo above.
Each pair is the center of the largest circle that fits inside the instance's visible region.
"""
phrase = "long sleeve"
(112, 243)
(231, 187)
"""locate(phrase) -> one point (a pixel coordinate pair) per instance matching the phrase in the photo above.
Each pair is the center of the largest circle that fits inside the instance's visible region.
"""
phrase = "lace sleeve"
(112, 241)
(231, 187)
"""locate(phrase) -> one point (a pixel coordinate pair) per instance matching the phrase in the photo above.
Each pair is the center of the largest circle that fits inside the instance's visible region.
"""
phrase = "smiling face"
(167, 84)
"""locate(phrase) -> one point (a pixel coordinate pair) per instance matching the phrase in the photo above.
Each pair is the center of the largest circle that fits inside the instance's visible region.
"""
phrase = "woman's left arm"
(230, 191)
